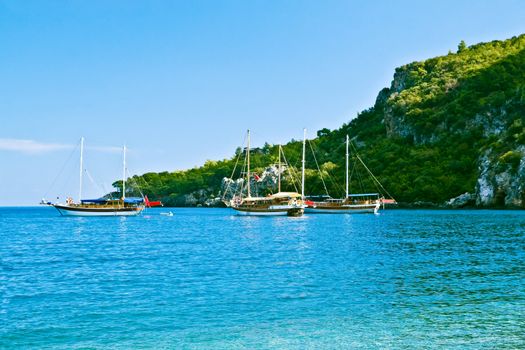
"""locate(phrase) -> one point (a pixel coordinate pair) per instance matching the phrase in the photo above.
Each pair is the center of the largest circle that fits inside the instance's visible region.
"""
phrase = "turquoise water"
(205, 278)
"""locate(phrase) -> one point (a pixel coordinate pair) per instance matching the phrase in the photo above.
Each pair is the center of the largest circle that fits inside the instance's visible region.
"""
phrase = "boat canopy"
(286, 195)
(319, 196)
(94, 201)
(129, 200)
(335, 200)
(363, 195)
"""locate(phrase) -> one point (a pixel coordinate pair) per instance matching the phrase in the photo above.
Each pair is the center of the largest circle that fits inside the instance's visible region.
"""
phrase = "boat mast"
(279, 170)
(124, 174)
(346, 166)
(303, 161)
(248, 163)
(81, 169)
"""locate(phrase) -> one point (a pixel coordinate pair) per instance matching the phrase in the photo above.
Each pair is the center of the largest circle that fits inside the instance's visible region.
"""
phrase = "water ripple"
(208, 279)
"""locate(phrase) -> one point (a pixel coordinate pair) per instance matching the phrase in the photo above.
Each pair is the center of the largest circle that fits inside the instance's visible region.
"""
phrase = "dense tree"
(462, 46)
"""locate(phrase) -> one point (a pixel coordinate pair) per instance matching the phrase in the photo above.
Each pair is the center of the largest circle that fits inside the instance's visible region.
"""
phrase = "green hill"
(446, 126)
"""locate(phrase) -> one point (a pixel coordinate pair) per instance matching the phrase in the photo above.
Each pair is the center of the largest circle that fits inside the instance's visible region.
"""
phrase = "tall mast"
(81, 169)
(124, 174)
(279, 170)
(248, 163)
(346, 166)
(304, 151)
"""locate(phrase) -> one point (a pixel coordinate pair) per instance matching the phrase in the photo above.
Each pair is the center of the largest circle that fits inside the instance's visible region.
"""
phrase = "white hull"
(339, 211)
(275, 210)
(282, 212)
(344, 209)
(260, 213)
(96, 212)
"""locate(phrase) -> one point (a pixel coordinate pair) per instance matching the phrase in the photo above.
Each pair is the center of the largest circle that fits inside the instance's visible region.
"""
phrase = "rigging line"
(298, 165)
(62, 169)
(294, 173)
(331, 177)
(337, 186)
(377, 187)
(372, 175)
(295, 167)
(289, 171)
(233, 172)
(319, 169)
(131, 179)
(109, 193)
(351, 174)
(360, 181)
(145, 184)
(374, 183)
(287, 168)
(92, 181)
(105, 191)
(240, 188)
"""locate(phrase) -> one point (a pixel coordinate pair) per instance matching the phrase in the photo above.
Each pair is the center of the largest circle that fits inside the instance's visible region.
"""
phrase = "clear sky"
(179, 82)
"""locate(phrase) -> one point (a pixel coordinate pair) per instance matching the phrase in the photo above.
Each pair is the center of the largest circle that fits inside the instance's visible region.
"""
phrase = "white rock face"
(516, 197)
(497, 179)
(460, 201)
(492, 123)
(259, 183)
(484, 187)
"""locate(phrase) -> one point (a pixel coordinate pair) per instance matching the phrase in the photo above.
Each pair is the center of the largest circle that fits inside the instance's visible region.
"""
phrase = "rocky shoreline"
(464, 201)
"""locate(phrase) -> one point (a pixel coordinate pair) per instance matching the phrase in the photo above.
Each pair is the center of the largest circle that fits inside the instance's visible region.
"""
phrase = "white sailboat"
(101, 206)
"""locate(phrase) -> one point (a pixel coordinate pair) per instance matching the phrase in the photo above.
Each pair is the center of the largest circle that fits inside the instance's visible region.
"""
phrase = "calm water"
(205, 278)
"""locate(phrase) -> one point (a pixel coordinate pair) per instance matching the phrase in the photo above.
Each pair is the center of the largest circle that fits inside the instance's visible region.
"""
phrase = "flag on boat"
(150, 204)
(256, 177)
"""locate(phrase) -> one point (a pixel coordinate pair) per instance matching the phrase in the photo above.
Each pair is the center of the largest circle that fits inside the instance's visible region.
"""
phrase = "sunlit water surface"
(205, 278)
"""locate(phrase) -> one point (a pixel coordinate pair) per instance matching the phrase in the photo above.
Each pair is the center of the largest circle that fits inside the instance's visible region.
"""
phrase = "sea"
(209, 279)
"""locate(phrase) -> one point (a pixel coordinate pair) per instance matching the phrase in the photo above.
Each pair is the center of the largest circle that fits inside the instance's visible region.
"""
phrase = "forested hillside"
(446, 126)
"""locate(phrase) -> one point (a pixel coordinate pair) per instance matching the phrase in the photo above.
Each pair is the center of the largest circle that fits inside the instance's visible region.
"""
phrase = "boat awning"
(130, 200)
(285, 195)
(321, 196)
(94, 201)
(363, 194)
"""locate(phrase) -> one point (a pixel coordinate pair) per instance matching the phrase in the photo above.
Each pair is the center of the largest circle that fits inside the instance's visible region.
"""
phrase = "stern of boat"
(295, 211)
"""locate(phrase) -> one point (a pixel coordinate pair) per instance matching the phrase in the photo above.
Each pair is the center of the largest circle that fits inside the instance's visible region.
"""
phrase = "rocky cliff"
(477, 97)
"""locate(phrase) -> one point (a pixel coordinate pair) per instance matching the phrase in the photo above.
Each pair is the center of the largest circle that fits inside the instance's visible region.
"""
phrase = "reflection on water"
(80, 225)
(122, 225)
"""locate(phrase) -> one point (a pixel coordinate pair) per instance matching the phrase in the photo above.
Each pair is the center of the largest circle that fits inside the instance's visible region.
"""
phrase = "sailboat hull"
(65, 210)
(269, 212)
(342, 209)
(260, 213)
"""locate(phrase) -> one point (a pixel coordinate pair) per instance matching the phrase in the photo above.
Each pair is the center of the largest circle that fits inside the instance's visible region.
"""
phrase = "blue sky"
(179, 82)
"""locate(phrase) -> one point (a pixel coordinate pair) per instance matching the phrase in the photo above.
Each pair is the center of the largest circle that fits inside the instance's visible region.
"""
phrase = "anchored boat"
(356, 203)
(280, 203)
(101, 206)
(353, 204)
